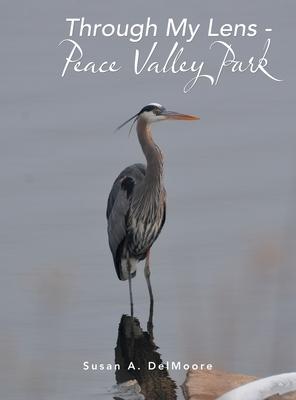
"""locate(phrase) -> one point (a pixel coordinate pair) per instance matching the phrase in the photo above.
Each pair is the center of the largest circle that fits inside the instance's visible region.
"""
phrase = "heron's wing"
(136, 172)
(118, 208)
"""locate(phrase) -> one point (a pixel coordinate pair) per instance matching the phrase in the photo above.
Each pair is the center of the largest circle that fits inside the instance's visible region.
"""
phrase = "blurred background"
(223, 269)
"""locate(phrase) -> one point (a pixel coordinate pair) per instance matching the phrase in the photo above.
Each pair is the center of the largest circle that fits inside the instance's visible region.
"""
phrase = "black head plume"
(154, 107)
(134, 118)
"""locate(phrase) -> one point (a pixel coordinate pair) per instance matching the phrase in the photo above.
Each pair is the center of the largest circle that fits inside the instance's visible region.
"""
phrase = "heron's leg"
(130, 287)
(147, 276)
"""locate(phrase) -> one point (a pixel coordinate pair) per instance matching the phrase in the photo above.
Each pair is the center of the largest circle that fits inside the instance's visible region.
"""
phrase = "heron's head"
(155, 112)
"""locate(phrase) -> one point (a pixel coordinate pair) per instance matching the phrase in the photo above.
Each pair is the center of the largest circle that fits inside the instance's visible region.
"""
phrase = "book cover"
(202, 223)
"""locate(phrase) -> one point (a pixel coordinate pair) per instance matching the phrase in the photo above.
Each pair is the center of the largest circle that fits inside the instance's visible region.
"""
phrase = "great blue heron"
(137, 201)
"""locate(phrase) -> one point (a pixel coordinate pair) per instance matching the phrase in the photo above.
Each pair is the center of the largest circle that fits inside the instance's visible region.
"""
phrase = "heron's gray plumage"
(118, 206)
(135, 218)
(136, 208)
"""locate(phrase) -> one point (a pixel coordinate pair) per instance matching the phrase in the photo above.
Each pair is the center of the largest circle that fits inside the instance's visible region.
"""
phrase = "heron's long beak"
(175, 115)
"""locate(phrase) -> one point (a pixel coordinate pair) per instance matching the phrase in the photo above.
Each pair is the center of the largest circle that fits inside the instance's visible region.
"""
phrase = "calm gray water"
(223, 267)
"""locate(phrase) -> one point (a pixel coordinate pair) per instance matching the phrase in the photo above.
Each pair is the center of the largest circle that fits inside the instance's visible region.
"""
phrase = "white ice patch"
(124, 270)
(263, 388)
(129, 390)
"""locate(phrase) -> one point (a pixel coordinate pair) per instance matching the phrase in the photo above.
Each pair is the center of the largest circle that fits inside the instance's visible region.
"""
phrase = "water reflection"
(135, 349)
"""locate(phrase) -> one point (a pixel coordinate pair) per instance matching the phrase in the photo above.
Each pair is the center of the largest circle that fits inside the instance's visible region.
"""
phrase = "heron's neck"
(152, 153)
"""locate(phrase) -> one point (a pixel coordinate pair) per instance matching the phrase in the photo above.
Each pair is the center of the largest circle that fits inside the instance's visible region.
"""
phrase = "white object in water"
(263, 388)
(129, 390)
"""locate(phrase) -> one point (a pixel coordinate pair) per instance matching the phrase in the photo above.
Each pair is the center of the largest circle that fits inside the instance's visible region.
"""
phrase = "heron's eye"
(156, 111)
